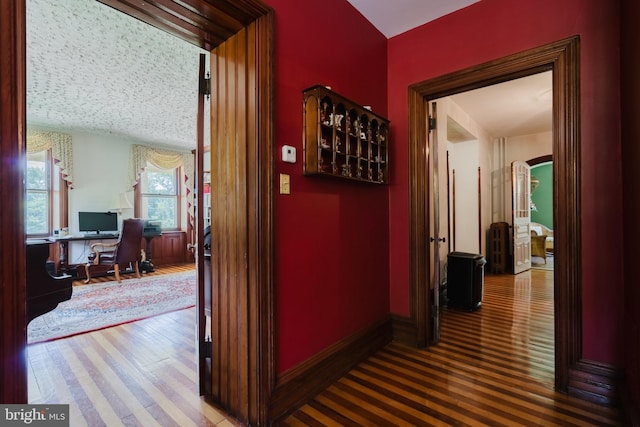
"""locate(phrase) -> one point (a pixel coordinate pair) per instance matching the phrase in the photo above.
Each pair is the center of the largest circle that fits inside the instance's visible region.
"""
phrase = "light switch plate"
(285, 184)
(288, 154)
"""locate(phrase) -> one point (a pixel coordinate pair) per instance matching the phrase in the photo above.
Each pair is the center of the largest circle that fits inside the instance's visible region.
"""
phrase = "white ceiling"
(140, 83)
(395, 17)
(518, 107)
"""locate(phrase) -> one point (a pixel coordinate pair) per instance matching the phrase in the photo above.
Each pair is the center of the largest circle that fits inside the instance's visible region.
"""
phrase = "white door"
(439, 221)
(521, 211)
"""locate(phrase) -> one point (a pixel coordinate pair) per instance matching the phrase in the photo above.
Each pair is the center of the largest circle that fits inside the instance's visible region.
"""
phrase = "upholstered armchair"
(124, 252)
(538, 246)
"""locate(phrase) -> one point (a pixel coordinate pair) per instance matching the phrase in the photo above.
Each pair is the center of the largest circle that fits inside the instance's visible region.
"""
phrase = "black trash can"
(465, 280)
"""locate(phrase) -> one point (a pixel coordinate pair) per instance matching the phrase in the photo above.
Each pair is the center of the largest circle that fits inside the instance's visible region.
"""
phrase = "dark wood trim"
(262, 309)
(302, 383)
(418, 218)
(630, 408)
(64, 202)
(541, 159)
(404, 329)
(187, 22)
(596, 382)
(204, 23)
(562, 58)
(13, 340)
(243, 366)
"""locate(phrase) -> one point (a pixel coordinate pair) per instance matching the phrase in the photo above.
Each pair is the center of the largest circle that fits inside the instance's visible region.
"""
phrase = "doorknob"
(443, 239)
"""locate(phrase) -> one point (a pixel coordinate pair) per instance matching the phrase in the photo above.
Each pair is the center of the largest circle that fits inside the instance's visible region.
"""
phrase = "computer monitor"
(97, 222)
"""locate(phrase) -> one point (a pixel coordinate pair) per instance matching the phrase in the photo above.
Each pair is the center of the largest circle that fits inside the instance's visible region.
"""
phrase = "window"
(41, 193)
(48, 178)
(160, 196)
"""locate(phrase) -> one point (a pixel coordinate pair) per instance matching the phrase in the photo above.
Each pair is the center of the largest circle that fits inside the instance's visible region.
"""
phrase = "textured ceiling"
(91, 68)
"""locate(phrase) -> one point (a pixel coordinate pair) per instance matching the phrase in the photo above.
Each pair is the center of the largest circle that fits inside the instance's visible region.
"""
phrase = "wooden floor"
(492, 367)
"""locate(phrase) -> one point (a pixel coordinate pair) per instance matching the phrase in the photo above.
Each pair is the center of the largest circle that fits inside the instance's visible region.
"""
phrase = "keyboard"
(101, 236)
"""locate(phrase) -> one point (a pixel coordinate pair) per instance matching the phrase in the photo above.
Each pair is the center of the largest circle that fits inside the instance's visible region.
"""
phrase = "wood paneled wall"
(241, 224)
(169, 248)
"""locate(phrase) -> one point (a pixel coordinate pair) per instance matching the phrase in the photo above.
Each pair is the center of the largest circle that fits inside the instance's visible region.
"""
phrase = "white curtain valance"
(61, 149)
(164, 159)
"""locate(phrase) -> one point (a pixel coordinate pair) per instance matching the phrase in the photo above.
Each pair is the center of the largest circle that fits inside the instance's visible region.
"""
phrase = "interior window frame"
(139, 195)
(51, 186)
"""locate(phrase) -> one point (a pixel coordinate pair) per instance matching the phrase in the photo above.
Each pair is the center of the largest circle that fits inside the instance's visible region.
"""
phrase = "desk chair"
(126, 251)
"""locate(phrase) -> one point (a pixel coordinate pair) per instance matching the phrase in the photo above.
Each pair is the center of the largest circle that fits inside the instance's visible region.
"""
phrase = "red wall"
(492, 29)
(332, 236)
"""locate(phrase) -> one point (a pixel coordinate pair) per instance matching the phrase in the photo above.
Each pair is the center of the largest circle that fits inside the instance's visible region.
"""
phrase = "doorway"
(562, 59)
(480, 133)
(254, 23)
(101, 158)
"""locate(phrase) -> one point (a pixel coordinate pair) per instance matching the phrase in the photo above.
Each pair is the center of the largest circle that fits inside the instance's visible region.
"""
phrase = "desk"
(63, 242)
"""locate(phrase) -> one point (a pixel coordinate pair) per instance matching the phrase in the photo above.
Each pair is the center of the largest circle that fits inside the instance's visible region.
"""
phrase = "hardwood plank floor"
(492, 367)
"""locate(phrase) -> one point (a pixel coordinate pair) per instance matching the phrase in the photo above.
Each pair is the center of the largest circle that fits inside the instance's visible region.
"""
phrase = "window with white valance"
(49, 165)
(61, 150)
(164, 159)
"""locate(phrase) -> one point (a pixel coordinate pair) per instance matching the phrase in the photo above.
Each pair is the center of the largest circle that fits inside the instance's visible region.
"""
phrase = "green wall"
(543, 196)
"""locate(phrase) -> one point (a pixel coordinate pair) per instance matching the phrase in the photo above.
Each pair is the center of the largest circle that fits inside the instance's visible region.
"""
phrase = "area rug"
(539, 263)
(103, 305)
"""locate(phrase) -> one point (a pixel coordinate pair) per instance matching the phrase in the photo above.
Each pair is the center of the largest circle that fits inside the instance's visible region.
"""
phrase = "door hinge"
(435, 312)
(432, 123)
(205, 348)
(205, 86)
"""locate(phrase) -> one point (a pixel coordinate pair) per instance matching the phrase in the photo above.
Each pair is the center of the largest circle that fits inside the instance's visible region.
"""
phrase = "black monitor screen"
(97, 221)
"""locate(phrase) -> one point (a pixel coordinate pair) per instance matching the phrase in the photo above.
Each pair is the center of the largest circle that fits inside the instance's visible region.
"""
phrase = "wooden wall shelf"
(344, 139)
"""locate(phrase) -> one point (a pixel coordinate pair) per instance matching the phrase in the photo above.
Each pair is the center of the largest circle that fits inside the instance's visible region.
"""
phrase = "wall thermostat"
(288, 154)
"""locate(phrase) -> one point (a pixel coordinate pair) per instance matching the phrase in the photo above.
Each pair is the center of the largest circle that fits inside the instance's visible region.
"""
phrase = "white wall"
(527, 147)
(465, 158)
(464, 162)
(101, 173)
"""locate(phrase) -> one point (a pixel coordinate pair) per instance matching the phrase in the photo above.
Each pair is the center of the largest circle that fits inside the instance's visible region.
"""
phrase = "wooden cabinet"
(344, 139)
(168, 248)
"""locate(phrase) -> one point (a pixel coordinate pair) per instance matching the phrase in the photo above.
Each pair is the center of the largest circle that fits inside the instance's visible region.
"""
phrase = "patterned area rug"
(103, 305)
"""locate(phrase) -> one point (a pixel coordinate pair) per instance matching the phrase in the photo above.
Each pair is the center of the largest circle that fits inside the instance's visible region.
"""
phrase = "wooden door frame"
(12, 245)
(207, 24)
(562, 58)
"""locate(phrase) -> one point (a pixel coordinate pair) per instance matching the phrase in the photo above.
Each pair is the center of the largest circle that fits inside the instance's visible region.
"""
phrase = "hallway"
(493, 367)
